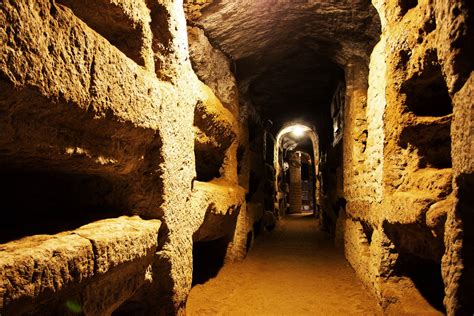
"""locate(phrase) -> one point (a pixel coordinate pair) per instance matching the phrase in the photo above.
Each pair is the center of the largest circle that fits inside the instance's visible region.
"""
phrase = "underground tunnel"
(262, 157)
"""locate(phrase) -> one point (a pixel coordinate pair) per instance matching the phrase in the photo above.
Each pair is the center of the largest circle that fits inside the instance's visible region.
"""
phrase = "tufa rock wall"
(406, 169)
(128, 158)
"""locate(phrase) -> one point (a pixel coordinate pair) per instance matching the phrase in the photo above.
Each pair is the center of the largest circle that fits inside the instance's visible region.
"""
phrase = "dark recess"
(109, 21)
(208, 163)
(425, 274)
(249, 241)
(406, 5)
(52, 202)
(254, 182)
(433, 142)
(427, 94)
(131, 308)
(208, 259)
(368, 231)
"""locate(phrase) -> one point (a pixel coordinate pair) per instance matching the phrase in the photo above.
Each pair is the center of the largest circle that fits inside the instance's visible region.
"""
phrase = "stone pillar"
(295, 182)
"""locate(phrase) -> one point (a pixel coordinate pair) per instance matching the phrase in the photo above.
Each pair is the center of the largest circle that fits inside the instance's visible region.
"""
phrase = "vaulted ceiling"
(289, 55)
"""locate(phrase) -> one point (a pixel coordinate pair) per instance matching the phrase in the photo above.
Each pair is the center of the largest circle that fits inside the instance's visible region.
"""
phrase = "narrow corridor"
(294, 270)
(143, 143)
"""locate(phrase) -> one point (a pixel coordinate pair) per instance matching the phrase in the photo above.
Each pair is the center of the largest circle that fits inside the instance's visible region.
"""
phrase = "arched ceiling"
(289, 54)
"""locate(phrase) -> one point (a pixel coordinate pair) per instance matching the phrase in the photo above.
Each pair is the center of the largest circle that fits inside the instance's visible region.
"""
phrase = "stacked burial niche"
(214, 135)
(96, 158)
(74, 163)
(426, 135)
(219, 150)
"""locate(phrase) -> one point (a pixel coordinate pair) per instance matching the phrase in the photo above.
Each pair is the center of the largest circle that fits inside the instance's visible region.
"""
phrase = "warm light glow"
(298, 130)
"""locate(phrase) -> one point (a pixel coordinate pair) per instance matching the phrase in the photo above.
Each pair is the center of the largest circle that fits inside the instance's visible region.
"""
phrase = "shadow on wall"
(208, 259)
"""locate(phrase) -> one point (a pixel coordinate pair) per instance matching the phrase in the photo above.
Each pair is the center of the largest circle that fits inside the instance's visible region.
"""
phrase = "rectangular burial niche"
(419, 259)
(210, 144)
(427, 93)
(50, 202)
(208, 259)
(425, 275)
(208, 161)
(110, 21)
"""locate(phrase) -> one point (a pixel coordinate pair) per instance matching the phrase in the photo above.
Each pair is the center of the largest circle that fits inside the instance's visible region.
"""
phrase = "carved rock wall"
(103, 115)
(402, 186)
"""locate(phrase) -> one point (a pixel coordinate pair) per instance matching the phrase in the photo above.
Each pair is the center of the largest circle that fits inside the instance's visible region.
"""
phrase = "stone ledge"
(219, 205)
(34, 267)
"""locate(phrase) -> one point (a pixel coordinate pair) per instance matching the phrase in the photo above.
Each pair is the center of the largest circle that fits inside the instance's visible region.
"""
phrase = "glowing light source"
(298, 130)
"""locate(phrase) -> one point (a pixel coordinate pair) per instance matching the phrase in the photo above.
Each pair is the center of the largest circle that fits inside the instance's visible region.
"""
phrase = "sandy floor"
(294, 270)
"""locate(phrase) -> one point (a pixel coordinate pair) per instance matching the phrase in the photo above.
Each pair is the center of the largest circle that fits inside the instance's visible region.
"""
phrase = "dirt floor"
(294, 270)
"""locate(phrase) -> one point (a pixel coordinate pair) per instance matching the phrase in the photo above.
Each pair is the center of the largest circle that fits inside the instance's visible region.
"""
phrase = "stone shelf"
(79, 262)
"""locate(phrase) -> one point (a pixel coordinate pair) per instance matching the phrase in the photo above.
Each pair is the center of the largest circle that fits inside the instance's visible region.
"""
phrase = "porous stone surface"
(399, 188)
(78, 261)
(213, 68)
(167, 111)
(397, 185)
(101, 96)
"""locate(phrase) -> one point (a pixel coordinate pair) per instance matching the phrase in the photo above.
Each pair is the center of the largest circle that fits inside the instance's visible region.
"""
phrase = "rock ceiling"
(289, 53)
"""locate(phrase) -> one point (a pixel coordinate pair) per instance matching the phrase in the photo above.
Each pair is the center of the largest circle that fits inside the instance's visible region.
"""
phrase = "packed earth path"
(294, 270)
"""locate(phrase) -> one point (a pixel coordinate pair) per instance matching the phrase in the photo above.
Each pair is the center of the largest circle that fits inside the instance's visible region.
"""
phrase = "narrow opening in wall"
(427, 94)
(240, 156)
(406, 5)
(52, 202)
(208, 259)
(426, 276)
(249, 241)
(257, 228)
(368, 231)
(110, 21)
(208, 162)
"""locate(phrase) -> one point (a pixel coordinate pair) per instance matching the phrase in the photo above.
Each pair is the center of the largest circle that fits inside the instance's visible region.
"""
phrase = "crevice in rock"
(368, 231)
(406, 5)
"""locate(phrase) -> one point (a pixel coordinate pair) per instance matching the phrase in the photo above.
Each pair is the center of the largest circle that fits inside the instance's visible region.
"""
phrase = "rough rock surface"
(119, 107)
(401, 187)
(98, 98)
(72, 264)
(276, 43)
